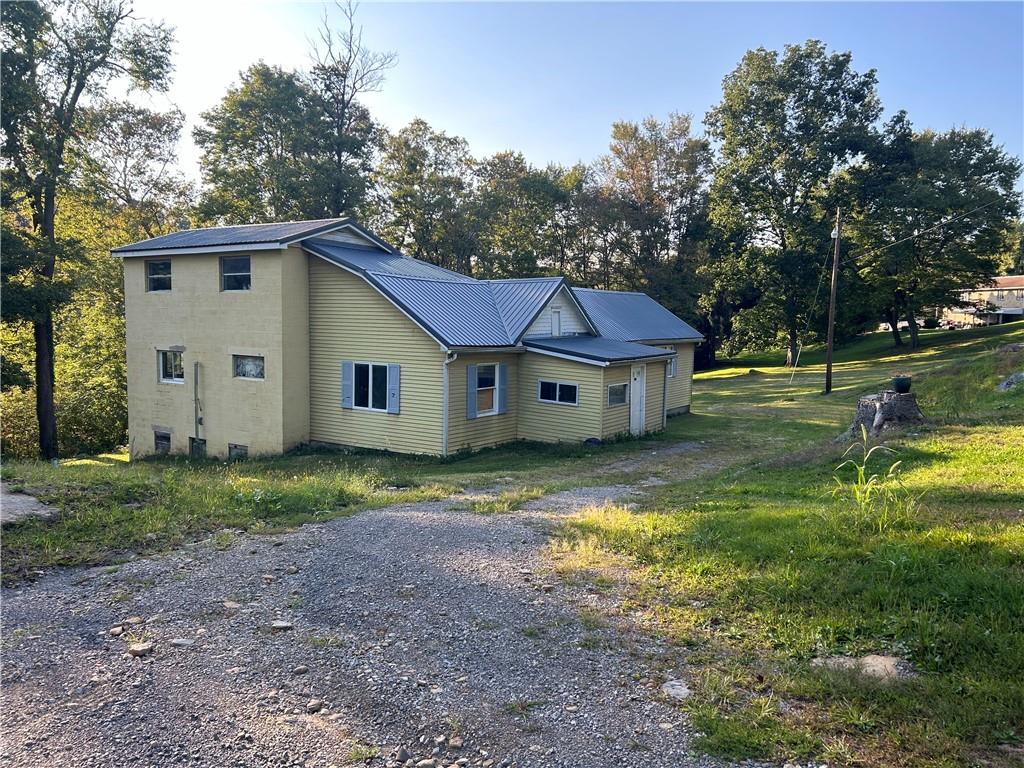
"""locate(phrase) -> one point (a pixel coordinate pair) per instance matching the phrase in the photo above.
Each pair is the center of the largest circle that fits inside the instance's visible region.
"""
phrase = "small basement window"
(158, 275)
(618, 394)
(562, 392)
(486, 389)
(197, 447)
(371, 386)
(235, 274)
(172, 369)
(161, 441)
(248, 366)
(236, 451)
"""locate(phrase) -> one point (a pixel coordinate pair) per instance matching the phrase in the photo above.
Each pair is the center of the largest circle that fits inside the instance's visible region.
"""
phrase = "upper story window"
(556, 321)
(248, 366)
(672, 367)
(235, 274)
(158, 275)
(172, 368)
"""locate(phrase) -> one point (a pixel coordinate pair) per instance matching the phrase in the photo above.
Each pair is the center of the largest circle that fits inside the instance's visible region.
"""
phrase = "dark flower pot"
(901, 384)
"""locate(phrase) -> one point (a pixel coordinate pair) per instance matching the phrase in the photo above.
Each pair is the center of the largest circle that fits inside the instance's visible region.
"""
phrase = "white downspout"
(449, 358)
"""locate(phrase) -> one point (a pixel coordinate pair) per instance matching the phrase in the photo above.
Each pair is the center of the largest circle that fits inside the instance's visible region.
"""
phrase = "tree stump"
(884, 411)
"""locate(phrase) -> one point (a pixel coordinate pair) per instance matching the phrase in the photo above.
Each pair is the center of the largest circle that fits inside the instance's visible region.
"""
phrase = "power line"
(940, 225)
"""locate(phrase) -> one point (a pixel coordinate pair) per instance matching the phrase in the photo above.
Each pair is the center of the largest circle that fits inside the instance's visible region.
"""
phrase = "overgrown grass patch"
(759, 570)
(109, 507)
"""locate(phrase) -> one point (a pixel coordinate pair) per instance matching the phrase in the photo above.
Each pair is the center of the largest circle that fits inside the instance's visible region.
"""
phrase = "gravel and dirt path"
(423, 631)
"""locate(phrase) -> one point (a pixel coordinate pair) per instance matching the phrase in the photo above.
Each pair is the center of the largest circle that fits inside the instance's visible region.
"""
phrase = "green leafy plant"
(880, 501)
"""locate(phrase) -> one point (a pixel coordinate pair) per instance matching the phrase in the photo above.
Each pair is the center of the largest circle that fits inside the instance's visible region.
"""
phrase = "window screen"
(618, 394)
(235, 274)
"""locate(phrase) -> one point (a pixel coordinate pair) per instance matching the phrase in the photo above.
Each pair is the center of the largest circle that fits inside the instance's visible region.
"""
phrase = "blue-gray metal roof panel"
(461, 313)
(519, 301)
(632, 316)
(243, 234)
(598, 348)
(373, 260)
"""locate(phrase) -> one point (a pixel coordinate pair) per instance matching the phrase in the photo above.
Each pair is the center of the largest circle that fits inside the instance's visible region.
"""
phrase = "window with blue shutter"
(347, 380)
(394, 381)
(470, 391)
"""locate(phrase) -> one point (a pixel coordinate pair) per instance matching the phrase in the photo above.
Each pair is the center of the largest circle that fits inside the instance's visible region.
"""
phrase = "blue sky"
(548, 79)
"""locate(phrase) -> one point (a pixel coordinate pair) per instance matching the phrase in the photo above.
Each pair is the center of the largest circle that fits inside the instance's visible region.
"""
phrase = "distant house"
(253, 339)
(1001, 301)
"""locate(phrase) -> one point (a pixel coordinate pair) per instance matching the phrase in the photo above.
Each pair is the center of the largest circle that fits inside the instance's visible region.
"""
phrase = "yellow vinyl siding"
(483, 431)
(553, 422)
(295, 346)
(654, 407)
(680, 386)
(350, 320)
(615, 418)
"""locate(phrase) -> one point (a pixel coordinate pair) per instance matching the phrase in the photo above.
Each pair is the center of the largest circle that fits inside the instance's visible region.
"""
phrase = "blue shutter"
(393, 387)
(502, 387)
(470, 391)
(347, 383)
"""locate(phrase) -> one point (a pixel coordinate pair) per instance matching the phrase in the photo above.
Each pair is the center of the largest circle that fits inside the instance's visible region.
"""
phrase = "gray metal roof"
(519, 301)
(627, 316)
(243, 234)
(373, 260)
(461, 313)
(597, 348)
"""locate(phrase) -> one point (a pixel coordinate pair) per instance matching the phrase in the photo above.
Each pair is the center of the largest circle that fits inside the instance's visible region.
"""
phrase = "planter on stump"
(901, 384)
(884, 411)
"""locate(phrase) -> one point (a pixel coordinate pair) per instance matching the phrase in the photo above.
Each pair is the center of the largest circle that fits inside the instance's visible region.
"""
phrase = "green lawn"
(755, 570)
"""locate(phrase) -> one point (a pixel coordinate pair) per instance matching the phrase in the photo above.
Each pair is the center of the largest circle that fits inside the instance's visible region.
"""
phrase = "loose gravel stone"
(140, 649)
(413, 617)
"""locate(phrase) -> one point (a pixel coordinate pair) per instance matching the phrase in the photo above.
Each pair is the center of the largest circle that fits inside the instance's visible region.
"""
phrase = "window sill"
(369, 410)
(556, 402)
(179, 382)
(613, 405)
(248, 378)
(489, 413)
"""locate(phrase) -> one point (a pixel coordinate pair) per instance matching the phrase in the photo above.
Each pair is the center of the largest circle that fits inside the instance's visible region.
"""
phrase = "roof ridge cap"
(465, 278)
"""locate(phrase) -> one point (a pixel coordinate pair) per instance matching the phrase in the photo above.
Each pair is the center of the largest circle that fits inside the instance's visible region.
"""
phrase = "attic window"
(235, 274)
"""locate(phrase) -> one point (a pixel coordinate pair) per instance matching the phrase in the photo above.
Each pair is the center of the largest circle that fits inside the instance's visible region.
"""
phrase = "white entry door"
(637, 399)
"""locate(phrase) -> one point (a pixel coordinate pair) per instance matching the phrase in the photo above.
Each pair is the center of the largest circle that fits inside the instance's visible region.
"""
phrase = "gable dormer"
(561, 316)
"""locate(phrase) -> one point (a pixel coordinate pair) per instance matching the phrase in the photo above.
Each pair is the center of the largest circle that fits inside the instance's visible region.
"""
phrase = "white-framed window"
(561, 392)
(161, 441)
(158, 275)
(370, 392)
(171, 367)
(235, 274)
(618, 394)
(248, 367)
(486, 389)
(672, 366)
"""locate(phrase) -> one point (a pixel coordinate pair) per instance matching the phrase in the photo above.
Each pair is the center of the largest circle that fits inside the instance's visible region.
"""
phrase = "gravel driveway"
(429, 633)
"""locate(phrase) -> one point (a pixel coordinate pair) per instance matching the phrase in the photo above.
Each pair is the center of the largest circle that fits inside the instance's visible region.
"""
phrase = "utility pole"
(832, 305)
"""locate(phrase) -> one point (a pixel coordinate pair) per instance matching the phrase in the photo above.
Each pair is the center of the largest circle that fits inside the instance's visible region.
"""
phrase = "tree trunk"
(45, 411)
(793, 349)
(894, 324)
(912, 325)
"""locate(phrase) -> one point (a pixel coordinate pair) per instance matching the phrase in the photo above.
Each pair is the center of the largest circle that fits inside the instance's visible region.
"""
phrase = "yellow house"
(999, 301)
(254, 339)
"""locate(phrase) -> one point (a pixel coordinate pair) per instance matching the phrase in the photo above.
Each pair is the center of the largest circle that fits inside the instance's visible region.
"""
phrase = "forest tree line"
(725, 218)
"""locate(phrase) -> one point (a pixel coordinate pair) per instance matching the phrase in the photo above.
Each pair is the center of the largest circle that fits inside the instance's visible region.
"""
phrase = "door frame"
(637, 398)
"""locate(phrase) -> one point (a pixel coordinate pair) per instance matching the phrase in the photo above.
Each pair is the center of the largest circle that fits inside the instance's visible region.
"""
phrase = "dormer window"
(235, 274)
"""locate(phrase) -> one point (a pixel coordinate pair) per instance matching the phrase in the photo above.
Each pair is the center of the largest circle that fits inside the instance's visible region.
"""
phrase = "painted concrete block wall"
(680, 386)
(210, 326)
(483, 431)
(553, 422)
(350, 320)
(572, 321)
(615, 418)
